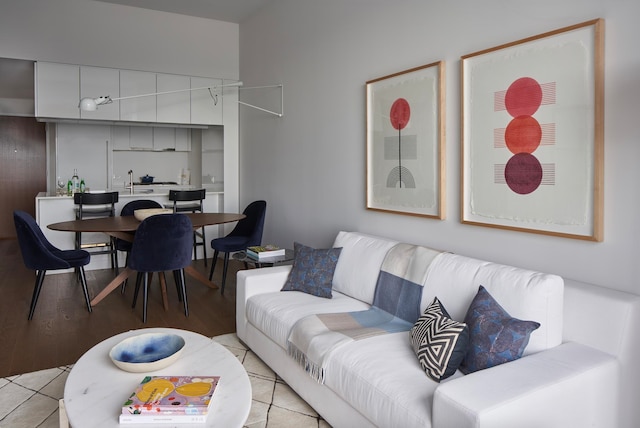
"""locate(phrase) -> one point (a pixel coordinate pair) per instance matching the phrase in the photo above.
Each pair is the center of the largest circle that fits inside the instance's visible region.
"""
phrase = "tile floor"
(31, 400)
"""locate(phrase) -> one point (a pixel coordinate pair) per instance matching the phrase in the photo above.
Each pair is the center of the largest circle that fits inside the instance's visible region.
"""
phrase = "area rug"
(31, 400)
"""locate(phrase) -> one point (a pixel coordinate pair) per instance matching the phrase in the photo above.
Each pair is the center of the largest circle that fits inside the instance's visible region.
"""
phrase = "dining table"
(124, 227)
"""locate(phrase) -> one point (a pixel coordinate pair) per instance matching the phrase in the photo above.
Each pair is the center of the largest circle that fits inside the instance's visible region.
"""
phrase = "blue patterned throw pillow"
(312, 270)
(495, 336)
(439, 342)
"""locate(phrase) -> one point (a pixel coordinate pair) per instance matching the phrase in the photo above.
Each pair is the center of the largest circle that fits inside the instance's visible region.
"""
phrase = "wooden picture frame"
(405, 142)
(532, 134)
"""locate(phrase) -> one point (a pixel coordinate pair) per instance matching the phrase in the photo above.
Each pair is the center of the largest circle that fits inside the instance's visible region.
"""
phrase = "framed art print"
(405, 140)
(532, 134)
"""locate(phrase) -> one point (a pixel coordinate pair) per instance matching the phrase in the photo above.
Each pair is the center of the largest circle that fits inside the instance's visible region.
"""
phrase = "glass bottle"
(75, 181)
(82, 186)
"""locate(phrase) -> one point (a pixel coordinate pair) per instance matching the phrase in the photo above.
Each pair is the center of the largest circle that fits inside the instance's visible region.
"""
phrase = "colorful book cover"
(265, 251)
(171, 395)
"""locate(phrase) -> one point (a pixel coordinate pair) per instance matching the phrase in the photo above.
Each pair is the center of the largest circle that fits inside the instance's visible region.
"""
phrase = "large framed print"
(405, 142)
(532, 134)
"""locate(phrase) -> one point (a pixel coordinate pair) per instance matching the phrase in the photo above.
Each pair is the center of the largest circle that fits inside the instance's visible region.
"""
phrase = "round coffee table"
(96, 389)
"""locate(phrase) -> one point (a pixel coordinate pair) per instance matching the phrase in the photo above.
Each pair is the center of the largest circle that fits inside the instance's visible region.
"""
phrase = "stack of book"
(170, 400)
(262, 252)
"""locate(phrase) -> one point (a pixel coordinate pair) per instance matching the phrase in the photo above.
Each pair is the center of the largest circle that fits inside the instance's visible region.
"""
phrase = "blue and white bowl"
(147, 352)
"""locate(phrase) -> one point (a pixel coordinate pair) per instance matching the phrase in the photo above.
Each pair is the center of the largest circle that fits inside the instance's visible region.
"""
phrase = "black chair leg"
(204, 247)
(176, 279)
(224, 272)
(145, 297)
(83, 279)
(36, 292)
(213, 263)
(184, 292)
(123, 287)
(137, 289)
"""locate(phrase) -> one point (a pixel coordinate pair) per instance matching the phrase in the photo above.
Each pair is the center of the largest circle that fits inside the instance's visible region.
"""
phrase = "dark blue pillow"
(439, 342)
(312, 270)
(494, 336)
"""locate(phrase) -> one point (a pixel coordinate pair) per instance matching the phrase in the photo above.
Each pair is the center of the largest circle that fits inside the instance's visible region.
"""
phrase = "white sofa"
(579, 368)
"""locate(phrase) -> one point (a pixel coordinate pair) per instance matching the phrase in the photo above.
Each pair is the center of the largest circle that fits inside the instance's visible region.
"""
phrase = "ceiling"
(222, 10)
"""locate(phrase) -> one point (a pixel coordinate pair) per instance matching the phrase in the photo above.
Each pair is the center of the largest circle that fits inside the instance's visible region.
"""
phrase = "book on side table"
(260, 252)
(170, 399)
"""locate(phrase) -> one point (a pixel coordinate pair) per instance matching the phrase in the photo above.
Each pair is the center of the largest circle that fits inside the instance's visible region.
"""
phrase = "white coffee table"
(96, 388)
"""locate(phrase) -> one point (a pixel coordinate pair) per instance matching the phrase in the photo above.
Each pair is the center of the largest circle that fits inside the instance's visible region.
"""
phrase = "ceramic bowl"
(148, 212)
(147, 352)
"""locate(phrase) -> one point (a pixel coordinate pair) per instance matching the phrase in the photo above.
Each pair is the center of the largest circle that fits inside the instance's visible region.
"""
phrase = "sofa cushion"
(439, 342)
(525, 294)
(275, 313)
(359, 264)
(494, 336)
(360, 373)
(312, 270)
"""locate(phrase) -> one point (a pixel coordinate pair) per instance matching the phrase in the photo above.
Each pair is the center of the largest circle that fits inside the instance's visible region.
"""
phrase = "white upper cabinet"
(142, 109)
(57, 90)
(97, 82)
(174, 107)
(164, 138)
(206, 105)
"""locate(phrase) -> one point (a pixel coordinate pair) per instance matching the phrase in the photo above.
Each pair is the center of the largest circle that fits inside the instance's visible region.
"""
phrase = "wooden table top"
(130, 223)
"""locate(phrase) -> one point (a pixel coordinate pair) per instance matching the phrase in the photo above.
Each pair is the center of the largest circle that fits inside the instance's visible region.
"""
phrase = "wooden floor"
(62, 329)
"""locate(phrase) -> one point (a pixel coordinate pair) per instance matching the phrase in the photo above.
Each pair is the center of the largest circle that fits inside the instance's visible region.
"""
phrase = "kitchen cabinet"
(175, 107)
(120, 137)
(206, 105)
(96, 82)
(141, 138)
(57, 90)
(150, 138)
(164, 138)
(183, 140)
(142, 109)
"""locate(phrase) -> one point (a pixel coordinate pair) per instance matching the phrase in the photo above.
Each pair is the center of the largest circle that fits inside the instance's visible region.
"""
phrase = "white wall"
(310, 165)
(110, 35)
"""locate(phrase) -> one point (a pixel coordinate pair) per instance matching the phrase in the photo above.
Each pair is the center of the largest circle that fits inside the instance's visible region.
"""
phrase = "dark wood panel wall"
(22, 168)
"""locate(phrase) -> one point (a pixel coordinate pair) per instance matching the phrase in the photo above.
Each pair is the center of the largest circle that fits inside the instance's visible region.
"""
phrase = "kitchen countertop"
(138, 191)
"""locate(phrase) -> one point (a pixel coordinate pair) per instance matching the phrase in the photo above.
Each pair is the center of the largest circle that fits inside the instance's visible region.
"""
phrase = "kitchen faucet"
(130, 186)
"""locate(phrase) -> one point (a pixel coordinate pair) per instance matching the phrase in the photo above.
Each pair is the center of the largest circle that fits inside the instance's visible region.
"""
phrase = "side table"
(241, 256)
(96, 389)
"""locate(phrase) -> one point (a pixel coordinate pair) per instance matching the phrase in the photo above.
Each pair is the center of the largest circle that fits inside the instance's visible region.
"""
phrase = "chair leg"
(213, 263)
(137, 289)
(195, 246)
(145, 297)
(204, 247)
(36, 292)
(124, 283)
(176, 279)
(224, 272)
(83, 279)
(184, 292)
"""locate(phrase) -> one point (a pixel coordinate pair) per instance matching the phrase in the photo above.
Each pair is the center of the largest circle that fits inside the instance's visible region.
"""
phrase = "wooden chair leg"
(163, 290)
(213, 263)
(36, 291)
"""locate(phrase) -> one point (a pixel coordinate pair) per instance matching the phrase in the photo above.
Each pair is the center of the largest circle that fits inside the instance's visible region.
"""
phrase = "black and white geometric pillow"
(439, 342)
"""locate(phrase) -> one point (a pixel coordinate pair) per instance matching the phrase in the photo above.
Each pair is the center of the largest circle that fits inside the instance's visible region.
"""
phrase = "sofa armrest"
(256, 281)
(571, 385)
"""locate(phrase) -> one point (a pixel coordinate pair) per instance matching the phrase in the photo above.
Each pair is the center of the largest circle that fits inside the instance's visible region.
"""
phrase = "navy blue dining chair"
(162, 243)
(128, 210)
(40, 255)
(247, 233)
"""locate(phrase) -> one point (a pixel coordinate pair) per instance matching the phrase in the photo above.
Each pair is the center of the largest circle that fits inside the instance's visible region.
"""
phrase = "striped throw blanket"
(396, 307)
